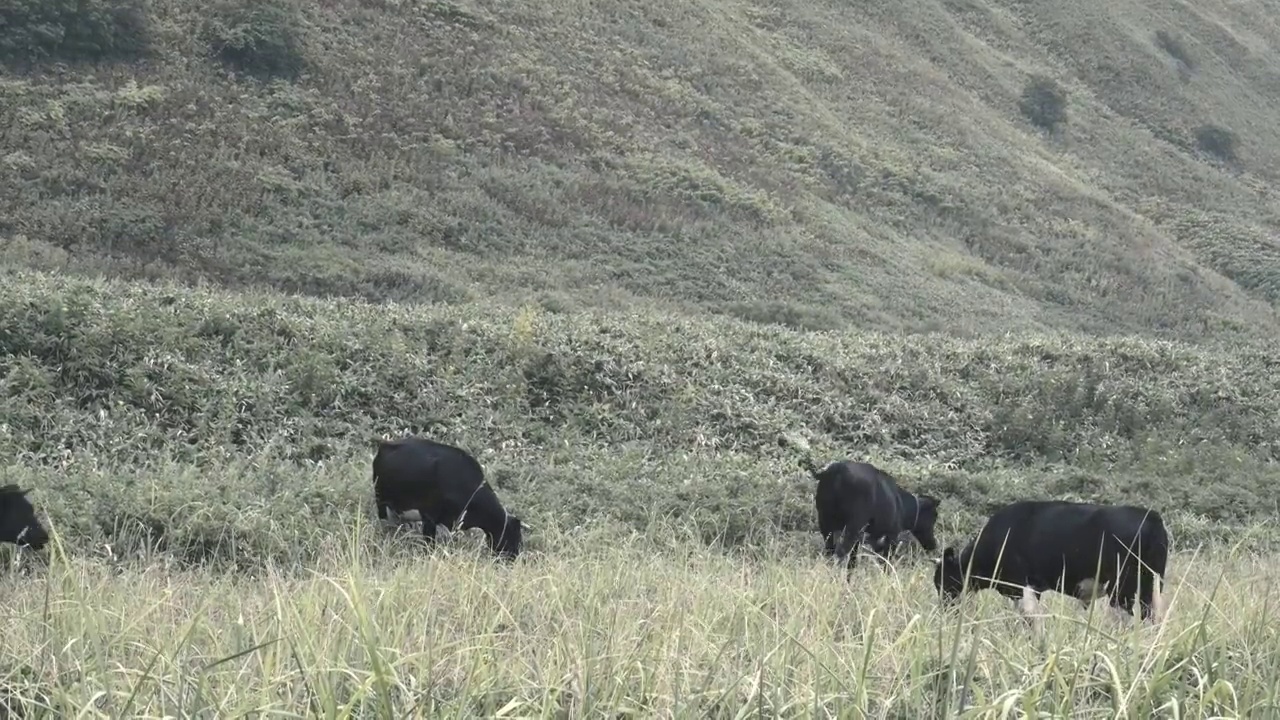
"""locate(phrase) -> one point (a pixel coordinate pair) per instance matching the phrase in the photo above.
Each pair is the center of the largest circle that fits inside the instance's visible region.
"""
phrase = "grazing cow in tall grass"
(18, 522)
(444, 484)
(1075, 548)
(856, 500)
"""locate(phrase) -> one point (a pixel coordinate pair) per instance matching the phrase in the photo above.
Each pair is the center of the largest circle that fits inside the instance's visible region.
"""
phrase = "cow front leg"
(829, 544)
(885, 547)
(428, 527)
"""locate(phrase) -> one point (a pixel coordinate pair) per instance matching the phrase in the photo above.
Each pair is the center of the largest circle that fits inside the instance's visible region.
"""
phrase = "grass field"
(618, 250)
(630, 625)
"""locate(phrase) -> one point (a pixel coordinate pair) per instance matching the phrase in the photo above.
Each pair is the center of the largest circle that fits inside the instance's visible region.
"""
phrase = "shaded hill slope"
(811, 163)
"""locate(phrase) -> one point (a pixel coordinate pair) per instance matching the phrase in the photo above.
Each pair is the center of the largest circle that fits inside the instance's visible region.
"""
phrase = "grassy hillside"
(229, 424)
(550, 230)
(811, 163)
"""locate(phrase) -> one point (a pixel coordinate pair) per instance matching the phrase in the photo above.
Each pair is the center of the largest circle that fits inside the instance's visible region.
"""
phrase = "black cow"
(444, 484)
(854, 499)
(18, 522)
(1074, 548)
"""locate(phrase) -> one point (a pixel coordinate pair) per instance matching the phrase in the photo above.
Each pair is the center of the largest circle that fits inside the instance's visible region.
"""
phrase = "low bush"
(35, 31)
(1044, 103)
(262, 38)
(1217, 141)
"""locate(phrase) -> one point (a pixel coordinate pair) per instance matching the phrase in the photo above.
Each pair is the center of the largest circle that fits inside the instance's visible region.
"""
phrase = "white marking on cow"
(1029, 607)
(410, 515)
(1088, 590)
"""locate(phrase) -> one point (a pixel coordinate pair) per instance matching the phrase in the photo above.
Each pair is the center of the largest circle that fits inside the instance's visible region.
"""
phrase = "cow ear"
(949, 554)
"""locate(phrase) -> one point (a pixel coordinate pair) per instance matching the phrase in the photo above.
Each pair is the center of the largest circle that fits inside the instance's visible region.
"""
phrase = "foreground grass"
(630, 625)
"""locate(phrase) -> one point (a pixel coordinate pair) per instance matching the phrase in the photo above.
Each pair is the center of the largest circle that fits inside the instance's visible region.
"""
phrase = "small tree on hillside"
(1217, 141)
(1044, 103)
(258, 37)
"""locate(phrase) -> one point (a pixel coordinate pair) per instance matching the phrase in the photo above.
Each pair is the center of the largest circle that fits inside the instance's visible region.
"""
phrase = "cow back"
(420, 473)
(1045, 543)
(864, 491)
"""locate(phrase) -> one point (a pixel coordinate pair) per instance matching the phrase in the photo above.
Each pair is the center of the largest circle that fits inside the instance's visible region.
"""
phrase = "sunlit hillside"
(819, 164)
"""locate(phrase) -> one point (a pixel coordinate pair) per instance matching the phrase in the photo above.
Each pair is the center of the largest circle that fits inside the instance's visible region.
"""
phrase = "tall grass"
(619, 624)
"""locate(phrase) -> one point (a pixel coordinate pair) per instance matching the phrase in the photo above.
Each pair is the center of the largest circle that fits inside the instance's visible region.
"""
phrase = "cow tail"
(1157, 538)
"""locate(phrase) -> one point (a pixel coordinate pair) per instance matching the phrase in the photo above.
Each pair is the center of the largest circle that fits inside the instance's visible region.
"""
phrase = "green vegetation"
(127, 396)
(41, 31)
(1217, 141)
(258, 37)
(803, 163)
(1044, 103)
(618, 250)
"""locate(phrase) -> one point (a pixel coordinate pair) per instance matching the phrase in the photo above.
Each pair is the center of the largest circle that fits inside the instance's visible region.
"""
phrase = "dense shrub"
(1216, 141)
(1176, 49)
(258, 37)
(33, 31)
(1044, 103)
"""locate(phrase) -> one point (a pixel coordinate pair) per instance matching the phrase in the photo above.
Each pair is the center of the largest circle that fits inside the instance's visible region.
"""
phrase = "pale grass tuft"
(795, 439)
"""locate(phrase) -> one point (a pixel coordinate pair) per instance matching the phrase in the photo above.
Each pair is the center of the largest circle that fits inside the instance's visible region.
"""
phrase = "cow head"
(18, 522)
(507, 543)
(926, 517)
(948, 575)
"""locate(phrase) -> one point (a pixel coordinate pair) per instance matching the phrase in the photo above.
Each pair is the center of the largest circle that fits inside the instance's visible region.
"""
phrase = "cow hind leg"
(829, 527)
(1159, 602)
(847, 548)
(428, 527)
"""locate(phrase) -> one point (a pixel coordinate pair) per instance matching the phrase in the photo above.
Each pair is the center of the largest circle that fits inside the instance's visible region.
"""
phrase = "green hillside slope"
(552, 229)
(236, 420)
(812, 163)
